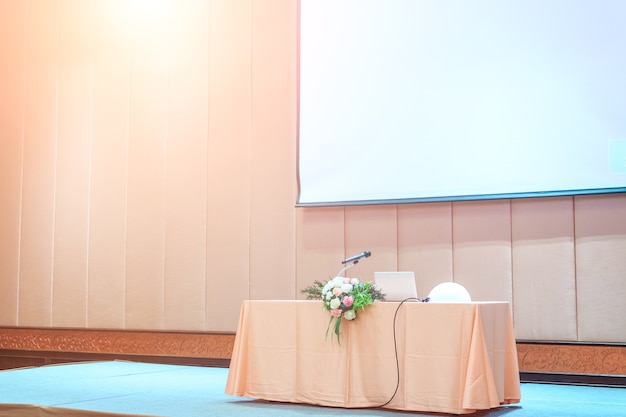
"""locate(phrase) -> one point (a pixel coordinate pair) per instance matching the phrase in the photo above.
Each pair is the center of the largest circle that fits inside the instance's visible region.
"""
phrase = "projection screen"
(440, 100)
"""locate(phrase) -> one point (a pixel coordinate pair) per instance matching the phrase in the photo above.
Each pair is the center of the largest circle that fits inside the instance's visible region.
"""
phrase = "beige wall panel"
(320, 244)
(482, 248)
(601, 267)
(109, 163)
(147, 162)
(373, 228)
(69, 291)
(40, 135)
(272, 165)
(185, 250)
(12, 41)
(228, 192)
(425, 243)
(544, 272)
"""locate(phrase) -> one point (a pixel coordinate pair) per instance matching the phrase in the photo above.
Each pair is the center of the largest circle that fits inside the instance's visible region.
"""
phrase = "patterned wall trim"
(532, 357)
(192, 345)
(572, 358)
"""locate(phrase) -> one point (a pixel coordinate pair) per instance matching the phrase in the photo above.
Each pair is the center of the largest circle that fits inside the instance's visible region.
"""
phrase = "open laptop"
(397, 286)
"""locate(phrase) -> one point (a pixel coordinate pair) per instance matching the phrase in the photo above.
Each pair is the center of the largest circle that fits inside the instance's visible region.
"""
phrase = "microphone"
(356, 258)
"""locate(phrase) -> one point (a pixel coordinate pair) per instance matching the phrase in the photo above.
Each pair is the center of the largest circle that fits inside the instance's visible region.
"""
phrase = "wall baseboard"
(539, 361)
(574, 379)
(11, 359)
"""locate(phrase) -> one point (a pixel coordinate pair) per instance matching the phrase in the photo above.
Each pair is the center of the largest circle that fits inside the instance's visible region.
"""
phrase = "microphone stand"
(345, 268)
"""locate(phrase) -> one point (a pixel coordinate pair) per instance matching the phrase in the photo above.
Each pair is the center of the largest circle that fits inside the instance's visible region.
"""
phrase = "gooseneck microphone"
(356, 258)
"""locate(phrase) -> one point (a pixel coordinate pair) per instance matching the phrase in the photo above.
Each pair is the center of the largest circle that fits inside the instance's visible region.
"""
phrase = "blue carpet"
(132, 388)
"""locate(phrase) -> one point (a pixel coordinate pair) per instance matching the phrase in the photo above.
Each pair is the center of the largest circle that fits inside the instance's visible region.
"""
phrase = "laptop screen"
(397, 286)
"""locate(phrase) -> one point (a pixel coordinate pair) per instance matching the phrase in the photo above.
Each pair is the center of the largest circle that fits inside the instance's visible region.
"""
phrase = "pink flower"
(348, 301)
(336, 312)
(337, 290)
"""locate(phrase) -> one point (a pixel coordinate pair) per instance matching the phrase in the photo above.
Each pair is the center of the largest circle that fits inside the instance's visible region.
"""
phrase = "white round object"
(449, 292)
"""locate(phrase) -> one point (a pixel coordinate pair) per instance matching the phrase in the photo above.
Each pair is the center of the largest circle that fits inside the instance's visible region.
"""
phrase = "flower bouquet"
(343, 297)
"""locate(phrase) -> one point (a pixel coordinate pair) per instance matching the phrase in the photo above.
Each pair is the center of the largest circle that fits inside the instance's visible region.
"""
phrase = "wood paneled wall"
(148, 182)
(147, 174)
(560, 261)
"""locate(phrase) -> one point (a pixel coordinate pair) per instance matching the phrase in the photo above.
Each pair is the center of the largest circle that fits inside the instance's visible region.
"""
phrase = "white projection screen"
(442, 100)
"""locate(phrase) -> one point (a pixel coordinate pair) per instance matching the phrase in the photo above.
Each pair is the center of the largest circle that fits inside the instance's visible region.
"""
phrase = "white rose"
(337, 281)
(346, 288)
(349, 315)
(335, 303)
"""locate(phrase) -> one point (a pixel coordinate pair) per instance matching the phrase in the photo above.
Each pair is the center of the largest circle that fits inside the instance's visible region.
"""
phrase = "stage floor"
(114, 388)
(119, 388)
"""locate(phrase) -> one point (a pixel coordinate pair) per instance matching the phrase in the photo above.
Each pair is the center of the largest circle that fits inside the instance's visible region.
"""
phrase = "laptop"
(397, 286)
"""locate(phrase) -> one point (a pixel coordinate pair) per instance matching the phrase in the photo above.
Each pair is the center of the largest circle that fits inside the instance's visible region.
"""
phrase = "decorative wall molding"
(582, 359)
(196, 348)
(147, 343)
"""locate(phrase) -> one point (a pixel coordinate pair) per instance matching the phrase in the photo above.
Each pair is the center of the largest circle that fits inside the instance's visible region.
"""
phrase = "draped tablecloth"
(451, 357)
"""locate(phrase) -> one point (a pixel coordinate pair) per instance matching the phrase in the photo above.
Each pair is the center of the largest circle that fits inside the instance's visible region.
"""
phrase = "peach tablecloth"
(453, 358)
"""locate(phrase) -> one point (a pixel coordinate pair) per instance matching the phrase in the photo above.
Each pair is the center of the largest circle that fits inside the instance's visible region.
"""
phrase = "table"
(452, 357)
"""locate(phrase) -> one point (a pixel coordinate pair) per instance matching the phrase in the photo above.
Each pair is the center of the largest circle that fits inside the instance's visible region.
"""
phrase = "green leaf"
(328, 328)
(337, 324)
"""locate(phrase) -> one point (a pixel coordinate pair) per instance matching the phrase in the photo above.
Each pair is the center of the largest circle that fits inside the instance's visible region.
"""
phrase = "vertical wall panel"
(601, 267)
(544, 268)
(273, 149)
(12, 50)
(482, 248)
(425, 243)
(109, 161)
(69, 292)
(147, 164)
(372, 228)
(185, 250)
(320, 244)
(228, 162)
(40, 136)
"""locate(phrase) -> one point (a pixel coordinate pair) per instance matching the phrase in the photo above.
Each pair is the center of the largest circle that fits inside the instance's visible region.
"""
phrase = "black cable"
(395, 345)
